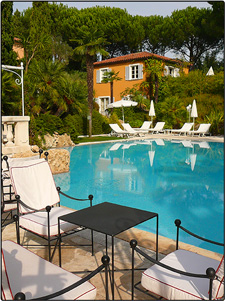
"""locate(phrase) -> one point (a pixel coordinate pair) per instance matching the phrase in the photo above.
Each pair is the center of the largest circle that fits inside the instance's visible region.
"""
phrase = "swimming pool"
(176, 179)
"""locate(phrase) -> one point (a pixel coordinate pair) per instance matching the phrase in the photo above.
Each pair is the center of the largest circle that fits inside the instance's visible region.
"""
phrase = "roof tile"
(133, 56)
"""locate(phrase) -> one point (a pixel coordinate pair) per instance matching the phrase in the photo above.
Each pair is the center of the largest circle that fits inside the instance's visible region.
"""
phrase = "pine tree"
(8, 55)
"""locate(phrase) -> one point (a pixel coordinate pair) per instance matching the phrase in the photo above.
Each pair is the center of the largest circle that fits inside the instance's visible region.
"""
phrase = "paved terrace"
(163, 136)
(78, 258)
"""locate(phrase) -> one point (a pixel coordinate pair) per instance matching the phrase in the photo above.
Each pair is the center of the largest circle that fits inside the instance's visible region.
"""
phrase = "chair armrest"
(178, 225)
(90, 197)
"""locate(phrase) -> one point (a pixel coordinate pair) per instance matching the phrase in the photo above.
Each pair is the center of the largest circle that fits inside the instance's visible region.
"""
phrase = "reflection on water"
(177, 179)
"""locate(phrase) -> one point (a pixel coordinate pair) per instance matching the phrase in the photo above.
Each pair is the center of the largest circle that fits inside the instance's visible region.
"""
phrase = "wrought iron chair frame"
(210, 272)
(48, 209)
(50, 239)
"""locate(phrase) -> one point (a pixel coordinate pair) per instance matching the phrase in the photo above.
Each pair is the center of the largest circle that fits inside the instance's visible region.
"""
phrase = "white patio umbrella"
(121, 104)
(194, 112)
(152, 111)
(210, 72)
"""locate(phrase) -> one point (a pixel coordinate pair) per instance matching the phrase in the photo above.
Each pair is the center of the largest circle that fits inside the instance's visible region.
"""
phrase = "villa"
(131, 70)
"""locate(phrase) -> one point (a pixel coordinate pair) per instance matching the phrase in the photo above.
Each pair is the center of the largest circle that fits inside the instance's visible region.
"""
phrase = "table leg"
(157, 236)
(92, 243)
(112, 268)
(106, 244)
(59, 234)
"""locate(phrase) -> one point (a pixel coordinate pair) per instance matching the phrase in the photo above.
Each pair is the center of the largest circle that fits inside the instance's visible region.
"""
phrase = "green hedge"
(73, 125)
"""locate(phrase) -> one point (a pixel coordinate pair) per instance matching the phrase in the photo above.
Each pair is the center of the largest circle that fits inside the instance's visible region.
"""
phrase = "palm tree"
(46, 87)
(110, 77)
(90, 43)
(154, 70)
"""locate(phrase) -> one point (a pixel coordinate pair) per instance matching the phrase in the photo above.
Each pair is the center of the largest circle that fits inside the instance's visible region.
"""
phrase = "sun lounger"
(184, 130)
(27, 273)
(131, 131)
(158, 128)
(117, 131)
(145, 126)
(202, 130)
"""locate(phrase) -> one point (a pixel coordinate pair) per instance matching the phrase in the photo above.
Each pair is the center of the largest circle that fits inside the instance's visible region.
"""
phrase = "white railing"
(15, 134)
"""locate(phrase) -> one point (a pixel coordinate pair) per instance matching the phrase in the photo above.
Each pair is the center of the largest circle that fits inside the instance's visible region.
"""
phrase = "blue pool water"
(174, 179)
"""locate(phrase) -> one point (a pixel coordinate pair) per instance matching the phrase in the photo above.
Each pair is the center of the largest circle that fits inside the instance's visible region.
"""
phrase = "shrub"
(100, 123)
(43, 124)
(71, 126)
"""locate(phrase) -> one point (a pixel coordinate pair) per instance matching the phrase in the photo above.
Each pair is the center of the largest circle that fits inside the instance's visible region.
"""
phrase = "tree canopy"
(8, 56)
(51, 29)
(61, 44)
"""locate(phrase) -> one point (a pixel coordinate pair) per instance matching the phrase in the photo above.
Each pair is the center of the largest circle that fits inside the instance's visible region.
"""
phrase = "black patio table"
(109, 219)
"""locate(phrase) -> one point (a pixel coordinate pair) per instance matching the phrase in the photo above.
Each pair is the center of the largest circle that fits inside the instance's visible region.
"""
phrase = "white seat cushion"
(37, 222)
(36, 277)
(174, 286)
(218, 283)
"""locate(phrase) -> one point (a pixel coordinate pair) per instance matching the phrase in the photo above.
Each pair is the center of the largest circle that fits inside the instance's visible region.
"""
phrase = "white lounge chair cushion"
(218, 284)
(174, 286)
(36, 277)
(158, 127)
(35, 185)
(37, 222)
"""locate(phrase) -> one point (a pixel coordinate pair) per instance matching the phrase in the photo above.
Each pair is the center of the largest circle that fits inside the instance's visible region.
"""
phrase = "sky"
(143, 8)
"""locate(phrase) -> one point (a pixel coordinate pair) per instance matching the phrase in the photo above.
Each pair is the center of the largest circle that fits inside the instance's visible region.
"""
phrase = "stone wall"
(59, 159)
(56, 140)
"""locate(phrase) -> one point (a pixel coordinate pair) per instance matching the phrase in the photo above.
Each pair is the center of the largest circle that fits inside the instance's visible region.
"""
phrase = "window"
(100, 74)
(103, 104)
(133, 72)
(171, 71)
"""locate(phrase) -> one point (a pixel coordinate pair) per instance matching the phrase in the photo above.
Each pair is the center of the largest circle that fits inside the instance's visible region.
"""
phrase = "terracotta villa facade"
(131, 70)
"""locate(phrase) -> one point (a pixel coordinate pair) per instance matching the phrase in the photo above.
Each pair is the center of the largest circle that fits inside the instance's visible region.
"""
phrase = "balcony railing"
(15, 134)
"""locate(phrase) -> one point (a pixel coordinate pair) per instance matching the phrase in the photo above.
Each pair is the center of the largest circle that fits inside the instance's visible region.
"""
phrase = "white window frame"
(127, 97)
(171, 71)
(138, 73)
(100, 74)
(105, 105)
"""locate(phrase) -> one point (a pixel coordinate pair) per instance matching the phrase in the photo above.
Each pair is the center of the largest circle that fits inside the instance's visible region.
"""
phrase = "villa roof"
(134, 56)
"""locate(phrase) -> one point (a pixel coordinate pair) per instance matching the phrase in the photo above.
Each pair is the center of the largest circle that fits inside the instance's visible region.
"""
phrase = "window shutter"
(166, 70)
(176, 72)
(113, 99)
(127, 73)
(98, 77)
(140, 71)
